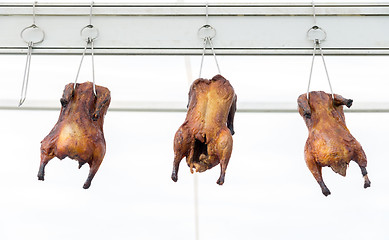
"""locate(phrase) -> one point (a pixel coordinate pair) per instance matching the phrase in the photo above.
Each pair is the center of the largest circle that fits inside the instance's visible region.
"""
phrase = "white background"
(269, 193)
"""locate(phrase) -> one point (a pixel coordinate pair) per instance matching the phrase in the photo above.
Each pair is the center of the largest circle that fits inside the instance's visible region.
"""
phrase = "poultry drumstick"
(78, 134)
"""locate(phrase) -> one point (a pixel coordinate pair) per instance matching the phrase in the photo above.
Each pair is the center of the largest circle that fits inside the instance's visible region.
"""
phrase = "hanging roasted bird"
(205, 138)
(78, 134)
(329, 142)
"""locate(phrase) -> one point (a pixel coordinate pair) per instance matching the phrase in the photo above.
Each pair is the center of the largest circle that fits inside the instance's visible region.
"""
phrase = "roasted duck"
(205, 138)
(329, 143)
(78, 133)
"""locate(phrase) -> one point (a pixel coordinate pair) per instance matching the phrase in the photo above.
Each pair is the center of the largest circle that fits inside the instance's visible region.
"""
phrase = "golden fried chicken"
(78, 133)
(205, 138)
(329, 143)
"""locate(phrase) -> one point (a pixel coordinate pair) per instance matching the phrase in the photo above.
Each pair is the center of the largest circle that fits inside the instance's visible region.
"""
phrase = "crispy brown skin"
(78, 134)
(329, 143)
(205, 138)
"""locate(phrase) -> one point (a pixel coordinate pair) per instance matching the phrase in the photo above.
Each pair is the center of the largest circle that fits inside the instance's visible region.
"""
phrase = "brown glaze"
(205, 138)
(78, 134)
(329, 143)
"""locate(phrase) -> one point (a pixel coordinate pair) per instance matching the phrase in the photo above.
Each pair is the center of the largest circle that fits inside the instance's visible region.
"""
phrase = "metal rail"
(171, 29)
(248, 107)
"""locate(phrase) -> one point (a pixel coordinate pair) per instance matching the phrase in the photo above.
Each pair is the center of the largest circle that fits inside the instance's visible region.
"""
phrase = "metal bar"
(196, 11)
(194, 8)
(130, 106)
(170, 29)
(179, 51)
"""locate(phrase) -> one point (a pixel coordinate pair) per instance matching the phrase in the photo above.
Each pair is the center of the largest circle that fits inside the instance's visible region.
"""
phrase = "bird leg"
(224, 150)
(339, 100)
(366, 178)
(182, 146)
(231, 115)
(304, 108)
(360, 159)
(102, 102)
(44, 160)
(88, 181)
(223, 167)
(68, 93)
(176, 165)
(80, 164)
(316, 172)
(94, 166)
(324, 188)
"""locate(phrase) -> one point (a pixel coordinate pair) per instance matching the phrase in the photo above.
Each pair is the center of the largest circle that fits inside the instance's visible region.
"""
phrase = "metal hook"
(316, 34)
(33, 12)
(31, 35)
(89, 33)
(90, 13)
(23, 93)
(207, 32)
(314, 13)
(206, 13)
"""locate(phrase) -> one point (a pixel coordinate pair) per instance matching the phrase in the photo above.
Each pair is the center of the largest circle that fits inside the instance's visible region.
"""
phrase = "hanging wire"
(93, 67)
(208, 40)
(26, 76)
(325, 68)
(316, 43)
(214, 54)
(90, 13)
(23, 93)
(206, 13)
(33, 13)
(89, 40)
(314, 13)
(310, 74)
(202, 56)
(79, 67)
(30, 43)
